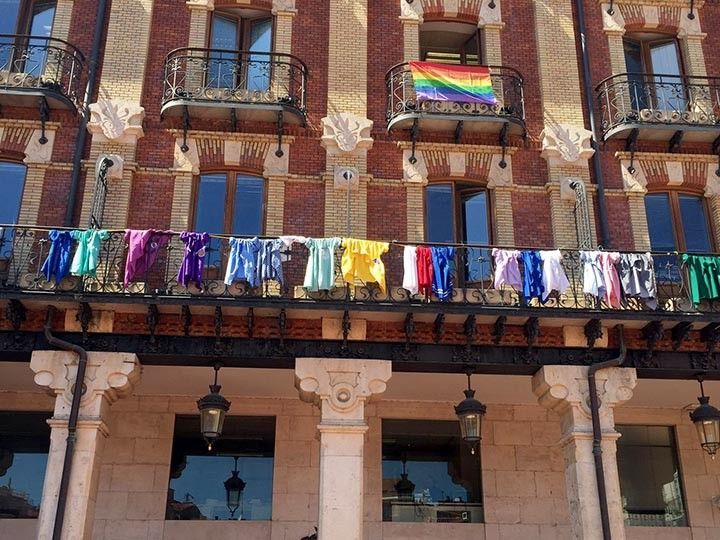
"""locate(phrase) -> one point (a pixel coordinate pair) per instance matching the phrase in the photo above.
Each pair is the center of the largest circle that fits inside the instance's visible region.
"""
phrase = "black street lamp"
(213, 408)
(470, 412)
(234, 487)
(404, 487)
(707, 422)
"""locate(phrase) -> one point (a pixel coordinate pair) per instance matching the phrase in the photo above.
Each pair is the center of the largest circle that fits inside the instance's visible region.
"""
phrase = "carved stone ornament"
(340, 387)
(615, 23)
(690, 28)
(38, 153)
(490, 16)
(108, 377)
(564, 144)
(500, 176)
(635, 181)
(346, 134)
(416, 173)
(567, 193)
(116, 169)
(342, 176)
(274, 165)
(186, 161)
(209, 5)
(117, 121)
(411, 12)
(283, 6)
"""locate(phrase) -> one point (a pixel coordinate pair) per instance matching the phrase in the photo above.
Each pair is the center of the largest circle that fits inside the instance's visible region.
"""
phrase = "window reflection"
(429, 474)
(197, 489)
(24, 446)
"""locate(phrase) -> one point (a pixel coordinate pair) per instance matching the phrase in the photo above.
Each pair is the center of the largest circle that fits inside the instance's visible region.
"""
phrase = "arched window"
(12, 184)
(678, 222)
(450, 43)
(460, 212)
(25, 17)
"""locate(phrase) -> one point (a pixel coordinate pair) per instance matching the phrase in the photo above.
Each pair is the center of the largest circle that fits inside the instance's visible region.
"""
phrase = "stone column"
(340, 388)
(564, 389)
(109, 376)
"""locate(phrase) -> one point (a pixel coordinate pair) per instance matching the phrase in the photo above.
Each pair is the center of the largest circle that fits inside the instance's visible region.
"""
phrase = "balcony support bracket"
(631, 146)
(413, 137)
(44, 117)
(186, 126)
(500, 329)
(680, 333)
(458, 131)
(280, 122)
(675, 141)
(439, 327)
(716, 151)
(504, 144)
(233, 120)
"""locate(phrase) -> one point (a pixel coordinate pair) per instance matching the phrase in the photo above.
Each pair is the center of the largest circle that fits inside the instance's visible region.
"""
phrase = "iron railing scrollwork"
(24, 249)
(228, 76)
(650, 99)
(41, 63)
(507, 85)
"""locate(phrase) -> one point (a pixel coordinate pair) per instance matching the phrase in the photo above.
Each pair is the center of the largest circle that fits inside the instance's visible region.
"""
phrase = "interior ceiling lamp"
(213, 408)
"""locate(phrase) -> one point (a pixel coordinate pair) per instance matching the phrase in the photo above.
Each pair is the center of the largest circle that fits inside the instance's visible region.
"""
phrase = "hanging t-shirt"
(507, 269)
(57, 262)
(410, 271)
(242, 261)
(269, 261)
(361, 260)
(143, 248)
(703, 275)
(553, 273)
(443, 259)
(532, 275)
(320, 270)
(637, 277)
(424, 269)
(193, 263)
(87, 255)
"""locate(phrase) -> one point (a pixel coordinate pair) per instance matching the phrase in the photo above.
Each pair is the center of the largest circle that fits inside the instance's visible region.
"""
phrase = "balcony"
(234, 85)
(665, 108)
(40, 70)
(404, 111)
(23, 251)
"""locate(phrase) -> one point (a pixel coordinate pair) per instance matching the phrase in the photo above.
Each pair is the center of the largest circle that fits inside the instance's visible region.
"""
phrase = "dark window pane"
(249, 200)
(669, 92)
(197, 490)
(695, 225)
(660, 223)
(439, 213)
(650, 477)
(260, 41)
(8, 21)
(24, 446)
(210, 209)
(445, 474)
(476, 231)
(41, 24)
(222, 67)
(12, 180)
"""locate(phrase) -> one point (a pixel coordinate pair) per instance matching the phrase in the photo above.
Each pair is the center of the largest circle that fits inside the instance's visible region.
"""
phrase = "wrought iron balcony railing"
(40, 66)
(641, 100)
(403, 107)
(244, 82)
(24, 249)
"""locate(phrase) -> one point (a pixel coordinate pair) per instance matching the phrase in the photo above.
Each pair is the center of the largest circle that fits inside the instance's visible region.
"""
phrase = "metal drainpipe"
(100, 17)
(72, 421)
(590, 100)
(597, 431)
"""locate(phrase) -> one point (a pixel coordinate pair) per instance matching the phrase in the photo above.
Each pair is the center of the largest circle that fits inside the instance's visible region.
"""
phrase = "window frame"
(459, 191)
(479, 36)
(645, 51)
(26, 13)
(243, 24)
(674, 194)
(230, 189)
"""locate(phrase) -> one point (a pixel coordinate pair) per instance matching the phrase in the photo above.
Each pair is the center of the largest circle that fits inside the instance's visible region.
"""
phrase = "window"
(12, 184)
(460, 213)
(678, 222)
(26, 17)
(428, 473)
(650, 484)
(450, 43)
(24, 446)
(197, 478)
(655, 69)
(240, 30)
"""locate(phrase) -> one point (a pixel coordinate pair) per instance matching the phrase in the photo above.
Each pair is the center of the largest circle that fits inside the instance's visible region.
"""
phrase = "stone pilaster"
(564, 389)
(341, 388)
(109, 376)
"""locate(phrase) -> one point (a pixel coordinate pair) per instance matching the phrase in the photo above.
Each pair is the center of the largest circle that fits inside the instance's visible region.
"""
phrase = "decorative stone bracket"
(487, 12)
(116, 170)
(648, 170)
(649, 15)
(564, 144)
(346, 134)
(116, 121)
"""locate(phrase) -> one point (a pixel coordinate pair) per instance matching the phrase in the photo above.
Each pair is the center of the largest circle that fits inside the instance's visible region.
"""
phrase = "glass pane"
(669, 89)
(259, 67)
(24, 446)
(439, 213)
(638, 91)
(196, 487)
(660, 223)
(445, 475)
(476, 231)
(40, 25)
(249, 203)
(649, 477)
(12, 180)
(695, 224)
(210, 212)
(8, 21)
(222, 66)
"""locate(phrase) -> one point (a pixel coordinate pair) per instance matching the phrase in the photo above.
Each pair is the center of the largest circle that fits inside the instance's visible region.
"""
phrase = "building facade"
(281, 125)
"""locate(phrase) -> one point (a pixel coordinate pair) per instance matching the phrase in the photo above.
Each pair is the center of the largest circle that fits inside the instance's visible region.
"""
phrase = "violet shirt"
(193, 263)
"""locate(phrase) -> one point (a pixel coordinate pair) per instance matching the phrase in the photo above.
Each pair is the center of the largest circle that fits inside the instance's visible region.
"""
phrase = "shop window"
(198, 488)
(460, 213)
(450, 43)
(249, 31)
(650, 483)
(429, 474)
(24, 446)
(655, 72)
(12, 184)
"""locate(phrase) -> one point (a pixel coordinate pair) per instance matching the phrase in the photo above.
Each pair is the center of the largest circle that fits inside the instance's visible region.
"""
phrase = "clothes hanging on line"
(57, 263)
(242, 261)
(320, 270)
(269, 261)
(532, 275)
(553, 273)
(507, 269)
(703, 276)
(410, 271)
(443, 261)
(193, 263)
(87, 254)
(361, 259)
(425, 272)
(637, 277)
(600, 276)
(143, 248)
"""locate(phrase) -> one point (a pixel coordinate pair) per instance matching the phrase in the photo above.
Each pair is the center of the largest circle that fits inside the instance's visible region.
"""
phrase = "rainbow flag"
(445, 82)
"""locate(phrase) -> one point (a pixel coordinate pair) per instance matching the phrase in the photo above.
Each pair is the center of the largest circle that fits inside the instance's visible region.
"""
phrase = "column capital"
(340, 387)
(564, 389)
(108, 377)
(206, 5)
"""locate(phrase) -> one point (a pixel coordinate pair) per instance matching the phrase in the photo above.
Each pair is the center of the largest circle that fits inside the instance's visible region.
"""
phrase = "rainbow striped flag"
(445, 82)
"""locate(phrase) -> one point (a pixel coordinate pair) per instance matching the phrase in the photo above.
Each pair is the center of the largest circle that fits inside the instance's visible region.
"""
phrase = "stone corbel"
(635, 181)
(499, 176)
(490, 17)
(411, 13)
(567, 193)
(35, 151)
(277, 166)
(346, 134)
(186, 161)
(612, 24)
(284, 6)
(344, 176)
(341, 387)
(207, 5)
(116, 121)
(690, 28)
(116, 169)
(564, 145)
(414, 173)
